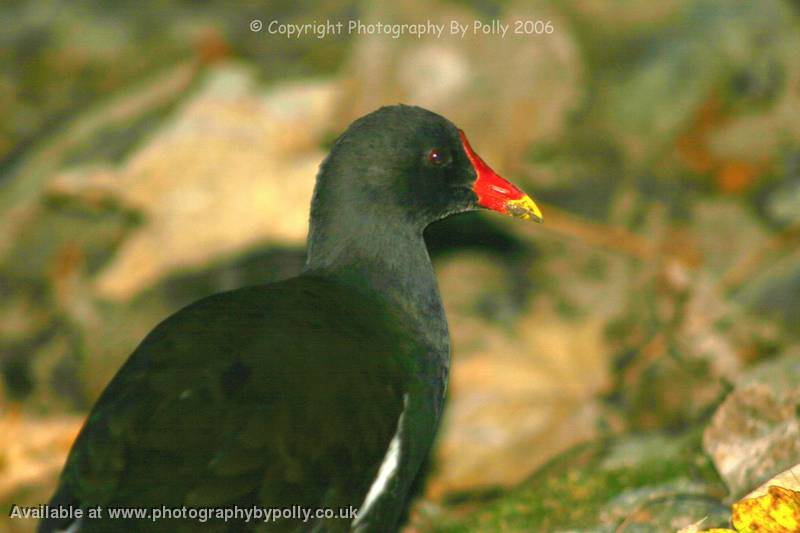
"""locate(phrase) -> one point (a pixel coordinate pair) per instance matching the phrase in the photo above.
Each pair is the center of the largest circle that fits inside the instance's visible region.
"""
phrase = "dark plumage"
(324, 390)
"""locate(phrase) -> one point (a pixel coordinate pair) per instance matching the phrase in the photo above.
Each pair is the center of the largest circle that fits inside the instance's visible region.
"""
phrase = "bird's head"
(404, 161)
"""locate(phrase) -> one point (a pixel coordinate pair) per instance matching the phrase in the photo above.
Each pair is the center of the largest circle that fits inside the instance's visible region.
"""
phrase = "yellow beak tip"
(524, 208)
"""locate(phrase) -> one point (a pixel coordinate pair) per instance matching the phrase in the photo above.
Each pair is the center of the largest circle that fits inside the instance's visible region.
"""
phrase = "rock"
(531, 92)
(716, 47)
(755, 433)
(729, 234)
(669, 508)
(33, 451)
(637, 483)
(677, 345)
(788, 479)
(772, 292)
(784, 204)
(522, 388)
(233, 169)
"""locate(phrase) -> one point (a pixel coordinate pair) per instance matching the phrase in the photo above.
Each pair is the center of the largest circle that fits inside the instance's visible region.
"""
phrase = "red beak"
(498, 194)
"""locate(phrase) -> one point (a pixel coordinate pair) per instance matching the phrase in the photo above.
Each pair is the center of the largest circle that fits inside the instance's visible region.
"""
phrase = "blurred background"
(630, 365)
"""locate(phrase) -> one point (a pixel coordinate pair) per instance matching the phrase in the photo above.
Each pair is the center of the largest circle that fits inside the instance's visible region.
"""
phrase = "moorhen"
(302, 405)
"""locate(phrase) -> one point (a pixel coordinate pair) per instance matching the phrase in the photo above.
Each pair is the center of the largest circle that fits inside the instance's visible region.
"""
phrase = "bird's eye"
(437, 157)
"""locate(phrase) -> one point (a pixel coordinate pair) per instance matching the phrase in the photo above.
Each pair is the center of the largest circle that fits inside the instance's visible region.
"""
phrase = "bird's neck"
(394, 265)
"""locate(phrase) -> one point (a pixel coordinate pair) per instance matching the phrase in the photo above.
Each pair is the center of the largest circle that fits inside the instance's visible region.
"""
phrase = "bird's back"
(266, 397)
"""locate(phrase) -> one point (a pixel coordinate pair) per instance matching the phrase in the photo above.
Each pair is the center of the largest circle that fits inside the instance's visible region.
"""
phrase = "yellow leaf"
(778, 511)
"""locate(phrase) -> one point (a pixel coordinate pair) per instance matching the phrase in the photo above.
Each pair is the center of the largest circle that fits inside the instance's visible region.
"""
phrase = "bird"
(307, 404)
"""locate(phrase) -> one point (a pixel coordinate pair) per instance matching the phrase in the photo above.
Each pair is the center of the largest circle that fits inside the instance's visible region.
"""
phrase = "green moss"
(575, 488)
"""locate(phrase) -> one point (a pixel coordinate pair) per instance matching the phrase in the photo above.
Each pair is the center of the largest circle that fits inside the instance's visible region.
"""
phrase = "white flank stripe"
(387, 470)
